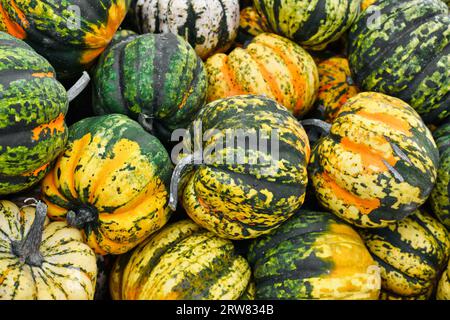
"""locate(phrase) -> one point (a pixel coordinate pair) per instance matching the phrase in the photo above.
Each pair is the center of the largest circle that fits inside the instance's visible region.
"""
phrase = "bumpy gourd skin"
(68, 270)
(311, 23)
(118, 172)
(336, 86)
(377, 165)
(313, 255)
(412, 253)
(400, 48)
(70, 34)
(251, 196)
(33, 105)
(269, 65)
(183, 262)
(209, 26)
(158, 76)
(440, 196)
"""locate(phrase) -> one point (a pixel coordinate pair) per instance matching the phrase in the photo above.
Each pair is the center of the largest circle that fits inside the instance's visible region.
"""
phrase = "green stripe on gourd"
(156, 79)
(401, 48)
(312, 24)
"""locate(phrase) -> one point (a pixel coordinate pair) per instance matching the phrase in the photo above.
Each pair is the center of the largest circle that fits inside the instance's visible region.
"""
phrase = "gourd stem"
(146, 122)
(79, 86)
(28, 249)
(324, 126)
(81, 216)
(176, 178)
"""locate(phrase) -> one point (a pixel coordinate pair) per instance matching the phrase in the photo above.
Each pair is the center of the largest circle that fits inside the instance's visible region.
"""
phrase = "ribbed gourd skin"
(440, 196)
(377, 165)
(68, 270)
(313, 255)
(311, 23)
(157, 75)
(400, 48)
(70, 34)
(182, 262)
(269, 65)
(121, 173)
(336, 86)
(210, 26)
(260, 189)
(33, 105)
(412, 253)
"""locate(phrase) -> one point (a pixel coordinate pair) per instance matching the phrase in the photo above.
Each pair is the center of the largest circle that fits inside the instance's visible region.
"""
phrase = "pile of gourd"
(353, 205)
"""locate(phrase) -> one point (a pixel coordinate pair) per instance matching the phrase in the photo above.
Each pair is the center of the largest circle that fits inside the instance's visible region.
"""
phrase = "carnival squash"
(411, 254)
(443, 291)
(440, 196)
(313, 255)
(112, 182)
(208, 25)
(41, 260)
(269, 65)
(312, 24)
(249, 174)
(183, 262)
(251, 24)
(156, 79)
(33, 105)
(336, 86)
(400, 48)
(70, 34)
(378, 163)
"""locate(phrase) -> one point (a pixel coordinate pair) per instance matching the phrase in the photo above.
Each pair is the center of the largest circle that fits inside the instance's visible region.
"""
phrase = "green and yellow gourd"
(440, 196)
(33, 105)
(70, 34)
(239, 189)
(443, 291)
(251, 24)
(210, 26)
(41, 260)
(377, 164)
(311, 23)
(269, 65)
(182, 262)
(156, 79)
(112, 182)
(411, 253)
(401, 49)
(313, 255)
(336, 86)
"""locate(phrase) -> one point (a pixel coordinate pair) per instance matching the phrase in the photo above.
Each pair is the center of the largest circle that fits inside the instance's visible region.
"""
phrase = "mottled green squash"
(440, 196)
(156, 79)
(182, 262)
(33, 105)
(241, 190)
(400, 48)
(70, 34)
(112, 182)
(412, 253)
(313, 255)
(311, 23)
(377, 164)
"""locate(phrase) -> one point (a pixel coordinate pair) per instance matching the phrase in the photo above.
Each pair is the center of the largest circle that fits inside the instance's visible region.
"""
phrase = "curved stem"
(79, 86)
(176, 178)
(81, 216)
(146, 122)
(324, 126)
(28, 249)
